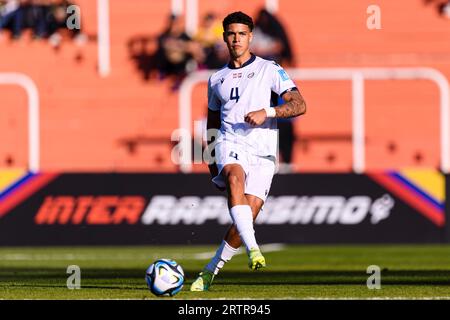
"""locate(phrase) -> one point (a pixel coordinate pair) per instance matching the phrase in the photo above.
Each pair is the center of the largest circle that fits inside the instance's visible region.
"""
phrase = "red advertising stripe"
(415, 201)
(24, 191)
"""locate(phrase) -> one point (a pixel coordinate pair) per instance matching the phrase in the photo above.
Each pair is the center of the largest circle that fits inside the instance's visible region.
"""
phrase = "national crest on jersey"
(237, 91)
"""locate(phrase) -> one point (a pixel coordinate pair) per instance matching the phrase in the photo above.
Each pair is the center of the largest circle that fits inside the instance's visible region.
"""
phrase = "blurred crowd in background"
(46, 19)
(178, 53)
(443, 7)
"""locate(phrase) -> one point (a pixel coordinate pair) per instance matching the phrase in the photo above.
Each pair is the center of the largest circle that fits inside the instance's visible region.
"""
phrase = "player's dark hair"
(238, 17)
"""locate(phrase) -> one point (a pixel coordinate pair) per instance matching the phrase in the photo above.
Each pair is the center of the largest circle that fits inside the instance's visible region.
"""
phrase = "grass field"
(293, 272)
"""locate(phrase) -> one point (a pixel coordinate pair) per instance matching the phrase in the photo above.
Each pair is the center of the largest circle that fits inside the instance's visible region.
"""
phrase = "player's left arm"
(294, 106)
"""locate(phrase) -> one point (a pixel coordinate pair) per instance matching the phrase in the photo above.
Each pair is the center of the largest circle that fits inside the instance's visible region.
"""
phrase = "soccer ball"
(165, 277)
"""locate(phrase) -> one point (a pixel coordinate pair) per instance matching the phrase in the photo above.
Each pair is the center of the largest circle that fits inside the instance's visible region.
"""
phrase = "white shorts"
(258, 170)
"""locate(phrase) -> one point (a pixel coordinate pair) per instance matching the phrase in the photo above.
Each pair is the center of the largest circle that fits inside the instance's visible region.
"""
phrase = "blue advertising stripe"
(16, 185)
(418, 191)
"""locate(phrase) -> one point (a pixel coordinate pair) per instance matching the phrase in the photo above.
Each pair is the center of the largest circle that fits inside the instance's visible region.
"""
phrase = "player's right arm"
(213, 126)
(213, 122)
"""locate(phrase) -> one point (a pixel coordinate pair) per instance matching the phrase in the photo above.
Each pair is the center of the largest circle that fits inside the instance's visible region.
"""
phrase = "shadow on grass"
(61, 284)
(134, 278)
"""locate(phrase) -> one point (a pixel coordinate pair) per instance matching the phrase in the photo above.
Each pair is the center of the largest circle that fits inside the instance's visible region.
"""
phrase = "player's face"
(238, 37)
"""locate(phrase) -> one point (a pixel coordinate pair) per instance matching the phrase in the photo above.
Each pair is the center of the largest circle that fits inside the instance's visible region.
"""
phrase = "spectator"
(445, 9)
(46, 18)
(11, 17)
(21, 14)
(36, 12)
(209, 36)
(270, 40)
(442, 6)
(57, 22)
(176, 51)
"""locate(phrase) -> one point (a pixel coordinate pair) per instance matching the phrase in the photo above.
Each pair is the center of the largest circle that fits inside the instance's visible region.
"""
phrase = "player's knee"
(234, 181)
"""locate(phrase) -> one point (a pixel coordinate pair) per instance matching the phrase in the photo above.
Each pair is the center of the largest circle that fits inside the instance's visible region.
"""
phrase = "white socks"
(223, 255)
(243, 219)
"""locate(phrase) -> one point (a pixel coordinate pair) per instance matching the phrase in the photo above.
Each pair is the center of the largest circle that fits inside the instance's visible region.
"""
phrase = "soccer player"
(241, 107)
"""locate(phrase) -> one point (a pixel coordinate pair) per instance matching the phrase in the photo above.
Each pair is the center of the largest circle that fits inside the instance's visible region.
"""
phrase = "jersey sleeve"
(213, 101)
(281, 82)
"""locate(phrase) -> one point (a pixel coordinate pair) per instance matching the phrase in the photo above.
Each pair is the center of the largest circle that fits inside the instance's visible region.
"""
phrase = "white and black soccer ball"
(165, 277)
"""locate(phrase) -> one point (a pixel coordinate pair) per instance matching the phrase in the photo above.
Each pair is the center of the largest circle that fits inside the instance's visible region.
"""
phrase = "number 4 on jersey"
(234, 96)
(233, 155)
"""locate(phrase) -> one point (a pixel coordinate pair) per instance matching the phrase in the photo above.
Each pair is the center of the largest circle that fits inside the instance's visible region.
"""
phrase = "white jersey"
(237, 91)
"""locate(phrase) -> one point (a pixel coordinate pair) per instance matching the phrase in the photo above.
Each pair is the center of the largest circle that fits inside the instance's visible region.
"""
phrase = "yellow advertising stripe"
(9, 176)
(430, 181)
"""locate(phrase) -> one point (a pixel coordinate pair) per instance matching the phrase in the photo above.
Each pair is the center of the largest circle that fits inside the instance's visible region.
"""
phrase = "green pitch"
(293, 272)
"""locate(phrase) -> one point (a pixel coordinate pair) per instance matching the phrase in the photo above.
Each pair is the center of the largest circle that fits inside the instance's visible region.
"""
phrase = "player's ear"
(224, 37)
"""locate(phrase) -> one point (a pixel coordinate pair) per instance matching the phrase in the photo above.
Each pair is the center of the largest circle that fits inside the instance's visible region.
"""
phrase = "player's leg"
(234, 177)
(231, 163)
(226, 154)
(240, 210)
(232, 241)
(229, 247)
(258, 182)
(232, 236)
(256, 259)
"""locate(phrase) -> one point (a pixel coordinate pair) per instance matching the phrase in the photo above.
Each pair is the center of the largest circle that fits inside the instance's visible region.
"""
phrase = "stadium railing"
(357, 76)
(24, 81)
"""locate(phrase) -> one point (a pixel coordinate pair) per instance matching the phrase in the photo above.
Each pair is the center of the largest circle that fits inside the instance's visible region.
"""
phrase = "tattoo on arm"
(295, 105)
